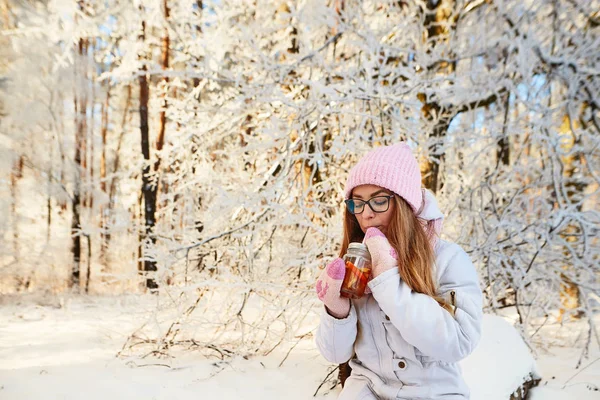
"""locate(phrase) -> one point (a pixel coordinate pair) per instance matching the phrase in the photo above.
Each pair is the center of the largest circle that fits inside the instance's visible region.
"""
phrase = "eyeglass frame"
(368, 202)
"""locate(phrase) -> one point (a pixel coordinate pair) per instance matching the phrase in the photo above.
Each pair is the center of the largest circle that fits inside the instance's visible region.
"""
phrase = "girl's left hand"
(383, 255)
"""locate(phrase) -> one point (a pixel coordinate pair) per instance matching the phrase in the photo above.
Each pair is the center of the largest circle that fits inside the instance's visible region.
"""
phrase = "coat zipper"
(373, 333)
(453, 302)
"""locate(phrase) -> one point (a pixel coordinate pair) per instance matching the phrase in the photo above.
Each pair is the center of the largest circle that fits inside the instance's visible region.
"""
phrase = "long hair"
(410, 237)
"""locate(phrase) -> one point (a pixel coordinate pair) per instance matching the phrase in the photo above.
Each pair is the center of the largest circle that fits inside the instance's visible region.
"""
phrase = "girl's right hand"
(328, 289)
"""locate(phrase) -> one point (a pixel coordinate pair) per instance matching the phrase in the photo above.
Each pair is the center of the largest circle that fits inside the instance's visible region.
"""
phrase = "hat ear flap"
(422, 202)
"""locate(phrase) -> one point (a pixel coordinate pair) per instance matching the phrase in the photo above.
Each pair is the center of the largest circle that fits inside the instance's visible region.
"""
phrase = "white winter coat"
(402, 344)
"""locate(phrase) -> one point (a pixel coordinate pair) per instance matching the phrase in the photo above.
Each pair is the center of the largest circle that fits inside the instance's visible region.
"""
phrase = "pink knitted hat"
(392, 167)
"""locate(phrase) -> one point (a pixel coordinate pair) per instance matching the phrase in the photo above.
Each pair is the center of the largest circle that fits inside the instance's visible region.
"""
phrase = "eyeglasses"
(378, 204)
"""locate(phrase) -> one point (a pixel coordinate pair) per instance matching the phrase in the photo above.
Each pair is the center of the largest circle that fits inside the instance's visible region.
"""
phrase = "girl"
(422, 310)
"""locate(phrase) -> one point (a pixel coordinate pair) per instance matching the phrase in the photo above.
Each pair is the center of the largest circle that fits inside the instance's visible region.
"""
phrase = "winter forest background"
(199, 149)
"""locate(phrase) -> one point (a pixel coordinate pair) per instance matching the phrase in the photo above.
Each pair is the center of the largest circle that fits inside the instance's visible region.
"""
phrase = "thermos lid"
(360, 248)
(357, 245)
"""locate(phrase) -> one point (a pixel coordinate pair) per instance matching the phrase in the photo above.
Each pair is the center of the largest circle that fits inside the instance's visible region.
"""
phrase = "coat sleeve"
(420, 319)
(335, 337)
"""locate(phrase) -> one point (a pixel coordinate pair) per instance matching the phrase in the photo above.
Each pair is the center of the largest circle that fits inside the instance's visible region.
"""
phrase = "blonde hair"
(410, 237)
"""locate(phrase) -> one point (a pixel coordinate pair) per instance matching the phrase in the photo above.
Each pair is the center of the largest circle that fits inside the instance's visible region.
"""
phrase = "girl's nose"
(367, 212)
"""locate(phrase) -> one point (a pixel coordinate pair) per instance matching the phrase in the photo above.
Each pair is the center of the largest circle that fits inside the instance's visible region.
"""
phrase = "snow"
(500, 349)
(65, 347)
(563, 381)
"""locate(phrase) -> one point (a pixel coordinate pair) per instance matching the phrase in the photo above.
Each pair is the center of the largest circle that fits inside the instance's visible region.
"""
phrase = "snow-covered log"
(502, 366)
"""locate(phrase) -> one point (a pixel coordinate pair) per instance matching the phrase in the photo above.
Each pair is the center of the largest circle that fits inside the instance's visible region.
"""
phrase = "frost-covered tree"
(219, 135)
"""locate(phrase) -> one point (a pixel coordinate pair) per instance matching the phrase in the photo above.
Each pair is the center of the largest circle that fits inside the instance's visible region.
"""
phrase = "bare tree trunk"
(165, 66)
(115, 167)
(103, 132)
(16, 174)
(91, 178)
(160, 140)
(570, 293)
(49, 195)
(148, 187)
(75, 222)
(437, 14)
(89, 264)
(80, 133)
(503, 153)
(105, 208)
(62, 204)
(139, 216)
(195, 80)
(83, 121)
(23, 281)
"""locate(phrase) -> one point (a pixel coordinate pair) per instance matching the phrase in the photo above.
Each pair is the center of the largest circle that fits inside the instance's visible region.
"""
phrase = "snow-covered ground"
(64, 348)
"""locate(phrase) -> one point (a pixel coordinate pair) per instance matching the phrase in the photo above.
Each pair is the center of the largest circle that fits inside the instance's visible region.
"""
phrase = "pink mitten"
(328, 289)
(383, 255)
